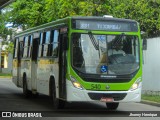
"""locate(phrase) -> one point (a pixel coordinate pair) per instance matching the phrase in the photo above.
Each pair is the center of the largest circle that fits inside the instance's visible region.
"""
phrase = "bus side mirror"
(144, 38)
(65, 41)
(144, 44)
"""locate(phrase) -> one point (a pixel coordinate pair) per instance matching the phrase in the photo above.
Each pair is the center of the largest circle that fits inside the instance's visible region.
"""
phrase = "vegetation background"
(31, 13)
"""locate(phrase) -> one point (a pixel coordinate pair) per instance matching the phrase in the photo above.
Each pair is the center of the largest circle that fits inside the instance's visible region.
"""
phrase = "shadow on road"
(12, 99)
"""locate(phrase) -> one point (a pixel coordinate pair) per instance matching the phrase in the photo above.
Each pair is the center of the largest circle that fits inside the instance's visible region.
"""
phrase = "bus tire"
(112, 106)
(26, 92)
(57, 103)
(36, 95)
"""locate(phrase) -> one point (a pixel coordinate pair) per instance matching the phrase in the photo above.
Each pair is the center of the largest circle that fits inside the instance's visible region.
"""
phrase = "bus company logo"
(15, 114)
(6, 114)
(107, 87)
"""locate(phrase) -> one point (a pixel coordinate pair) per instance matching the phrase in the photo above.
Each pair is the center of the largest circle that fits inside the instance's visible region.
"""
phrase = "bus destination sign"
(106, 25)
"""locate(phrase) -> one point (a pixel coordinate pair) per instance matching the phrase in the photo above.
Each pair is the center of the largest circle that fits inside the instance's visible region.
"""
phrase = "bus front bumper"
(74, 94)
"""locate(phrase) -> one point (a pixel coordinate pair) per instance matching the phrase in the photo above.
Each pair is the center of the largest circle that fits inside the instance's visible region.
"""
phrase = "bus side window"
(40, 45)
(51, 43)
(47, 41)
(30, 45)
(45, 45)
(25, 48)
(15, 48)
(20, 48)
(55, 43)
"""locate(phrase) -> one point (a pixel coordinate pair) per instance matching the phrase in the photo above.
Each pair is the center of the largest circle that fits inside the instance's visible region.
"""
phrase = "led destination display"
(106, 25)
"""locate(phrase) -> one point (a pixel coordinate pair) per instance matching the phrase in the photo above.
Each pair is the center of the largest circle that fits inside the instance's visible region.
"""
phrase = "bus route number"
(95, 86)
(84, 25)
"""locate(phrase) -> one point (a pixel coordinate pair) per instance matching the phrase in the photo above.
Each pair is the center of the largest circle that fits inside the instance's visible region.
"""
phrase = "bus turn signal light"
(75, 83)
(136, 84)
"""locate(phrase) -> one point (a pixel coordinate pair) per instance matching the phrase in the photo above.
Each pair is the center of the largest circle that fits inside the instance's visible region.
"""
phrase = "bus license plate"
(104, 99)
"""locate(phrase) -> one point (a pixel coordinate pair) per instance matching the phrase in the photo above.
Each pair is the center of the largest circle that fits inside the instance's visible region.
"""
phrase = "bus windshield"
(105, 54)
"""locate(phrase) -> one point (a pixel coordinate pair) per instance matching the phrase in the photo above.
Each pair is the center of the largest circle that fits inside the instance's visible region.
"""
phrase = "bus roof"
(44, 26)
(65, 21)
(102, 18)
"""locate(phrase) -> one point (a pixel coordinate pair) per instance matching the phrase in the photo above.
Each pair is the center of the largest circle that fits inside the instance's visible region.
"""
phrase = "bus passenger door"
(34, 55)
(62, 65)
(20, 53)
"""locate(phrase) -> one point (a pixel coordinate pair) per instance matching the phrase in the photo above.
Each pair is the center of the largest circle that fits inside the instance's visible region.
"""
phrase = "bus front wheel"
(112, 106)
(57, 103)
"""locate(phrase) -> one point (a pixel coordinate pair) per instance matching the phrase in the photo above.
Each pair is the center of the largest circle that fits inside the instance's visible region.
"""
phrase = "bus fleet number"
(95, 86)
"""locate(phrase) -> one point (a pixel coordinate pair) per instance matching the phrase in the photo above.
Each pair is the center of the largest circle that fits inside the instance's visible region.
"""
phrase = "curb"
(150, 103)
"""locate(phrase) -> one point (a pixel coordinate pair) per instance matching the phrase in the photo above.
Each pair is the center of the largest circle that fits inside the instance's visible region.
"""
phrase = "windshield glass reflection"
(105, 54)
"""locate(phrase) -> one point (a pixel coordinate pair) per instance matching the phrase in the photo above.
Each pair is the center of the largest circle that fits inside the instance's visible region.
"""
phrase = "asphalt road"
(12, 100)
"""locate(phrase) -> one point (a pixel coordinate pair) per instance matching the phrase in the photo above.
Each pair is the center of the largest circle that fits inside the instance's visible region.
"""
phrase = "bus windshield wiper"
(95, 44)
(117, 41)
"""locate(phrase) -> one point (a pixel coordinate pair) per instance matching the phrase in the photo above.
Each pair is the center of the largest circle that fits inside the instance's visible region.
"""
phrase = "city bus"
(80, 59)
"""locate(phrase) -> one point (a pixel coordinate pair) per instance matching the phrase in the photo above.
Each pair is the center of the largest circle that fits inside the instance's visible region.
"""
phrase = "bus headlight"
(136, 84)
(75, 83)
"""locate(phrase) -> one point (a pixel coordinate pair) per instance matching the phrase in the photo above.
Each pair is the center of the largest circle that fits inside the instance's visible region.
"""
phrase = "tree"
(156, 16)
(30, 13)
(4, 31)
(10, 47)
(27, 13)
(56, 9)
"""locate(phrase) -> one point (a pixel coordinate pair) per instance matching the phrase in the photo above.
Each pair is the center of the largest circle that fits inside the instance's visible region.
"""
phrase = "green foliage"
(3, 30)
(27, 13)
(10, 47)
(142, 11)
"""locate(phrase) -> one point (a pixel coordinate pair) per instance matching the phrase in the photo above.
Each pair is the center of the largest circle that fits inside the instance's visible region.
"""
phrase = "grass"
(154, 98)
(5, 75)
